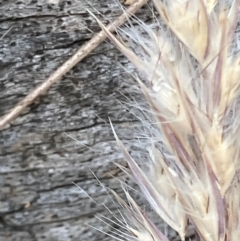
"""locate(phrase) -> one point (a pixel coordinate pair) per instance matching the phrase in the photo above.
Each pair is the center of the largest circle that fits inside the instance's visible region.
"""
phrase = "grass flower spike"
(191, 81)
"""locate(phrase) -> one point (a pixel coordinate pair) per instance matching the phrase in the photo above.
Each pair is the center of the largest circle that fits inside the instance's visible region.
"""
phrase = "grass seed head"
(193, 91)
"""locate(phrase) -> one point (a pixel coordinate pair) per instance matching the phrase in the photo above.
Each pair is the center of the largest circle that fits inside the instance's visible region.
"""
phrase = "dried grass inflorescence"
(193, 75)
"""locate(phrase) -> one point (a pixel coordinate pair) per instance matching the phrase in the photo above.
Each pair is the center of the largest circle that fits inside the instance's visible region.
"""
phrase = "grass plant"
(191, 68)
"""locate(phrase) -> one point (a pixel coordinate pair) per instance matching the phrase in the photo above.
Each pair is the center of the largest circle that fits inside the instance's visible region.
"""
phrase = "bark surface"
(39, 161)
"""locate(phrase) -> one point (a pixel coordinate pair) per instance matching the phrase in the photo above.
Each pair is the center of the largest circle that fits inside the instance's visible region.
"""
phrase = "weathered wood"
(39, 161)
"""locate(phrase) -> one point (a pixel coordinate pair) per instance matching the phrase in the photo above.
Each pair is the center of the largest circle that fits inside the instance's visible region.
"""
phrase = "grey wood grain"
(39, 161)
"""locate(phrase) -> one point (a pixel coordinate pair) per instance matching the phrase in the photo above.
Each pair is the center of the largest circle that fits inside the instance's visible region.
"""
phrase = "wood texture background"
(38, 161)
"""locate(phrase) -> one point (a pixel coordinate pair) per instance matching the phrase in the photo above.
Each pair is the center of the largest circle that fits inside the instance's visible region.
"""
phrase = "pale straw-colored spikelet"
(193, 77)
